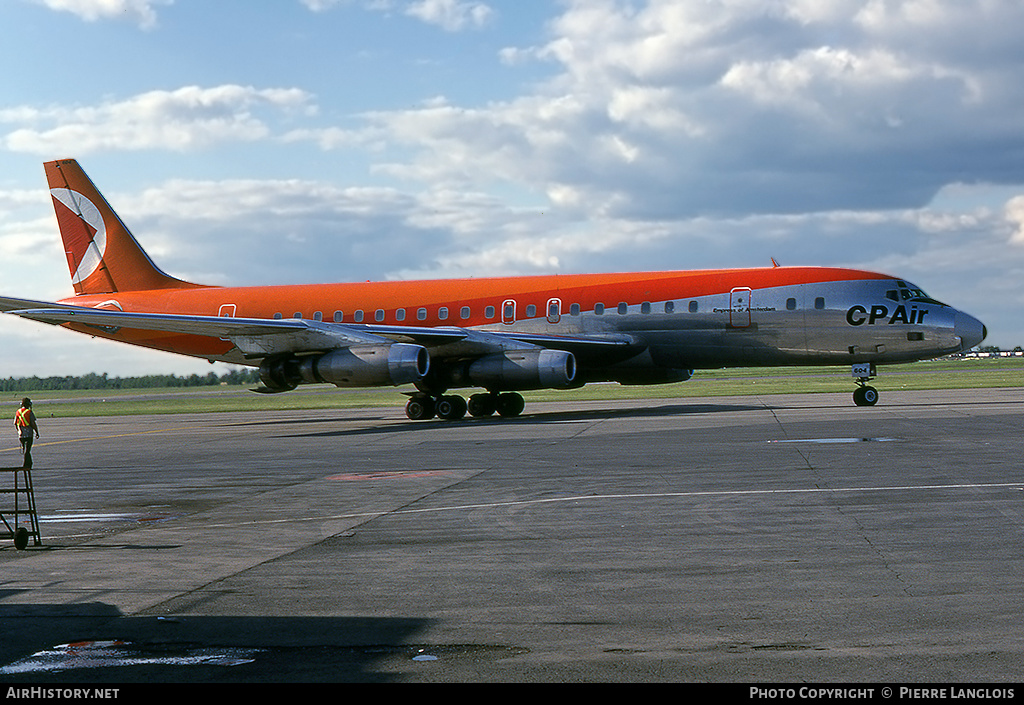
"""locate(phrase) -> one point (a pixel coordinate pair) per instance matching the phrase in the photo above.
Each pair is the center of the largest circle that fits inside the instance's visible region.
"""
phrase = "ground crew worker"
(25, 422)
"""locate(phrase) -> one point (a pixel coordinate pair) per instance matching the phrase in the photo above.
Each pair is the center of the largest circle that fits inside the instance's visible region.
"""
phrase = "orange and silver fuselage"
(680, 320)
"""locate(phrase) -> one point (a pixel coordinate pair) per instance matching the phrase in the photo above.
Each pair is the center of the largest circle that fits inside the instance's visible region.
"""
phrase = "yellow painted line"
(37, 444)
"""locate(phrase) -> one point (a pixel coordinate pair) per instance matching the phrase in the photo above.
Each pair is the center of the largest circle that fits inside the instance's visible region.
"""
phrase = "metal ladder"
(22, 508)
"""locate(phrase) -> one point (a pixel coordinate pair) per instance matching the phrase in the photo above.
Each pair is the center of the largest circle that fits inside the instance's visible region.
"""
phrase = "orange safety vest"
(21, 418)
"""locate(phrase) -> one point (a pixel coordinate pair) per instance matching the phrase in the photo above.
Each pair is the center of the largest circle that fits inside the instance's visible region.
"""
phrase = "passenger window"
(489, 312)
(400, 314)
(574, 310)
(623, 308)
(693, 307)
(278, 316)
(464, 312)
(297, 314)
(421, 314)
(670, 306)
(598, 309)
(378, 315)
(645, 307)
(531, 311)
(791, 304)
(819, 303)
(358, 316)
(339, 316)
(442, 313)
(318, 316)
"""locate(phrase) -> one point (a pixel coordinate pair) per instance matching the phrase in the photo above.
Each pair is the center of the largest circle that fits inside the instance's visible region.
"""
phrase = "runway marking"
(388, 475)
(654, 495)
(93, 516)
(835, 440)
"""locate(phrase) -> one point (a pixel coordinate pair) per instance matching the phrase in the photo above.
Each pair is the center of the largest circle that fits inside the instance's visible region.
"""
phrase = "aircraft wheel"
(482, 404)
(865, 396)
(451, 408)
(420, 407)
(21, 538)
(511, 404)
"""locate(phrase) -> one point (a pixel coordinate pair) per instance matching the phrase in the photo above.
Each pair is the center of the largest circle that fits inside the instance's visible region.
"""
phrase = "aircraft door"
(739, 307)
(227, 311)
(554, 310)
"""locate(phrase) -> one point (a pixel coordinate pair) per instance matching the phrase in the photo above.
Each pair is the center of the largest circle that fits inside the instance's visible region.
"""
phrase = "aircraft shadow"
(95, 643)
(530, 419)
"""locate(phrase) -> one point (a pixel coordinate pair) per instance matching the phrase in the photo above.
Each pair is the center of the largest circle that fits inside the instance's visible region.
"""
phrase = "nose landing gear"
(864, 395)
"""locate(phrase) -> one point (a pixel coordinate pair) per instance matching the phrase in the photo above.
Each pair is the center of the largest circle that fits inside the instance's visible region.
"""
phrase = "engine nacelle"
(524, 369)
(356, 366)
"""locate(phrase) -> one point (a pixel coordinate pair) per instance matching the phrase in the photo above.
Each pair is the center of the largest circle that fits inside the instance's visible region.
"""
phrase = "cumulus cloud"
(141, 12)
(187, 118)
(321, 5)
(665, 108)
(1014, 213)
(450, 15)
(254, 231)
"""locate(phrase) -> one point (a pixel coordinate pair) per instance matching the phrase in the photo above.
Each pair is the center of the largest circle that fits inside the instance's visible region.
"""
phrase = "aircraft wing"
(262, 337)
(255, 337)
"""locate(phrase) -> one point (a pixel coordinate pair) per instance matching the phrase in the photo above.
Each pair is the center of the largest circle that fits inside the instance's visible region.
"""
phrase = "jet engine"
(356, 366)
(524, 369)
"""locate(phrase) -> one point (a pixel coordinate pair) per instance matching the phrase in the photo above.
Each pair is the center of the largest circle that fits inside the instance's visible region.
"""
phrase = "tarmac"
(760, 539)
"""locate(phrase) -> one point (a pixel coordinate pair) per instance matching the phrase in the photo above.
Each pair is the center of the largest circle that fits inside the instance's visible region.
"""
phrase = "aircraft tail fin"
(103, 256)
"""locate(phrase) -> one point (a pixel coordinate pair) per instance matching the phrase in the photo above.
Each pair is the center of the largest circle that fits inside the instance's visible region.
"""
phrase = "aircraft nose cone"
(969, 329)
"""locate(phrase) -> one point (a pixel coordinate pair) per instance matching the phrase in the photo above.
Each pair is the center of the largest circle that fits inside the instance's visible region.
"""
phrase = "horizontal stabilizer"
(10, 304)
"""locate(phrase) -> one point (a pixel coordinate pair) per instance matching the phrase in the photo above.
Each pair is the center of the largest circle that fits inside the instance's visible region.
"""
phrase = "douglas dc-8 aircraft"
(502, 335)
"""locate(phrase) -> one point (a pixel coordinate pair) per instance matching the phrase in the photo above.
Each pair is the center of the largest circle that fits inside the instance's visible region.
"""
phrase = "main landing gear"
(864, 395)
(452, 407)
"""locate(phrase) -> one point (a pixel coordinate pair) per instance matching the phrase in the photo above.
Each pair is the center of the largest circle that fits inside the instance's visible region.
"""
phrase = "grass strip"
(942, 374)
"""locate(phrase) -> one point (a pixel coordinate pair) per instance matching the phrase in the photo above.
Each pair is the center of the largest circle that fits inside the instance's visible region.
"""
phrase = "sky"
(304, 141)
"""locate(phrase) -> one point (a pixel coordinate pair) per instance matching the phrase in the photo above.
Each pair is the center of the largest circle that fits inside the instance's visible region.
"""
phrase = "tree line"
(997, 349)
(103, 381)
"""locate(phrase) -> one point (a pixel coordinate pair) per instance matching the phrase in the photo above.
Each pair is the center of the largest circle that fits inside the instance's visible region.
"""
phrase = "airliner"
(496, 336)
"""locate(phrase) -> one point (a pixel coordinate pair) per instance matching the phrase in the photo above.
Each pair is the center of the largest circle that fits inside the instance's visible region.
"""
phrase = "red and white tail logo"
(83, 231)
(102, 255)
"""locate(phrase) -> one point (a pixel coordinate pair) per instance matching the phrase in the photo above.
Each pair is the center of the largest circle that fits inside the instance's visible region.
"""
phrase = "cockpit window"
(909, 292)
